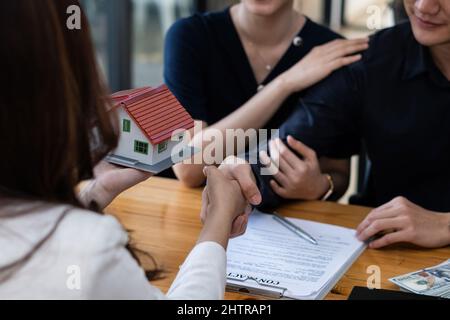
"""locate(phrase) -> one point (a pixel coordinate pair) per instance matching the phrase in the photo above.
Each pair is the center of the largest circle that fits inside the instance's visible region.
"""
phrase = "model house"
(152, 124)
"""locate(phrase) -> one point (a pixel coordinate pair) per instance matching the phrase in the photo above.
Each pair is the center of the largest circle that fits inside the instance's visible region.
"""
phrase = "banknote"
(433, 281)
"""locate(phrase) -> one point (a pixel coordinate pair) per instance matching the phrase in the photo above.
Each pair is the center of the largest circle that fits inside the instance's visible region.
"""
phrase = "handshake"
(230, 192)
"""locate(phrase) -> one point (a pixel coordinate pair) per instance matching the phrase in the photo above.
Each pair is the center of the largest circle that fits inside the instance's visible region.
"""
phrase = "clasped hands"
(399, 221)
(233, 189)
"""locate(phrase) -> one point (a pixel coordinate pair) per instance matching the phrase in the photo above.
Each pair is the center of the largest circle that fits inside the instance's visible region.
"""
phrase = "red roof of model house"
(155, 111)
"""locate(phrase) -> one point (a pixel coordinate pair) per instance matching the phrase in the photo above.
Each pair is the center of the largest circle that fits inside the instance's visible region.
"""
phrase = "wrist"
(284, 85)
(446, 227)
(85, 193)
(218, 217)
(325, 188)
(94, 196)
(217, 228)
(290, 86)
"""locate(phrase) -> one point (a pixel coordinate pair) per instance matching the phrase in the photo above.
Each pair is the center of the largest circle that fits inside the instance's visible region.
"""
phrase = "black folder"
(362, 293)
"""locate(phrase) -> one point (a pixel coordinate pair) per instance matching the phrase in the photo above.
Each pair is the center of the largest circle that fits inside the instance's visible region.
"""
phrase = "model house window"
(162, 147)
(126, 125)
(140, 147)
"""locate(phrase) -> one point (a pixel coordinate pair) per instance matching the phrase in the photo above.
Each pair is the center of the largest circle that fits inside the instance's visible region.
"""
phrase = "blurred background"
(129, 34)
(129, 37)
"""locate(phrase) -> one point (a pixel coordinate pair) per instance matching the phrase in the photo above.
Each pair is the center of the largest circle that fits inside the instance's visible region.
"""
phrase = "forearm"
(93, 196)
(216, 229)
(447, 224)
(190, 172)
(258, 110)
(249, 116)
(191, 175)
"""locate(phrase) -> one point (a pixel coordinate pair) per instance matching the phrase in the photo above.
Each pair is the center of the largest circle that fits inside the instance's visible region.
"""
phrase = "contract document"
(272, 261)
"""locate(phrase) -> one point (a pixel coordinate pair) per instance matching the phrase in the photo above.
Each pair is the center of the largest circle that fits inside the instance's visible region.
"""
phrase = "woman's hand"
(402, 221)
(322, 61)
(295, 179)
(109, 182)
(225, 210)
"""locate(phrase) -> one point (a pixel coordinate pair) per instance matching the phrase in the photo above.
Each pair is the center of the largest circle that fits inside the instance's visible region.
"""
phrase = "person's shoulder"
(390, 41)
(188, 24)
(320, 33)
(197, 25)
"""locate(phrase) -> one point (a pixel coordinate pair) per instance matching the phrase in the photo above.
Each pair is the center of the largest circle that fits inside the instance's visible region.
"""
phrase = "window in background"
(361, 14)
(96, 10)
(129, 35)
(151, 20)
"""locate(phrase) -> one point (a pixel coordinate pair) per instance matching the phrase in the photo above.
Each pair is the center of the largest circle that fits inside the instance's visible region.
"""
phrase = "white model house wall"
(158, 157)
(127, 142)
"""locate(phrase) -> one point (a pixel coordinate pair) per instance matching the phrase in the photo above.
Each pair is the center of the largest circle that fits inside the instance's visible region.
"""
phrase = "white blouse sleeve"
(112, 273)
(203, 274)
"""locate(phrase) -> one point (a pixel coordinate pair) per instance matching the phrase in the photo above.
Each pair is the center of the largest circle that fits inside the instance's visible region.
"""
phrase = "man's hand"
(295, 179)
(109, 182)
(224, 203)
(239, 170)
(403, 221)
(323, 60)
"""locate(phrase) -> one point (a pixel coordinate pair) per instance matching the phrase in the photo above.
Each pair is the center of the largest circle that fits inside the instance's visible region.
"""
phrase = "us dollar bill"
(433, 281)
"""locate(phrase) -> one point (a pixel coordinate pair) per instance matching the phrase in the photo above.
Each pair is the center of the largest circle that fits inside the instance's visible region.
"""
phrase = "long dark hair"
(52, 102)
(54, 124)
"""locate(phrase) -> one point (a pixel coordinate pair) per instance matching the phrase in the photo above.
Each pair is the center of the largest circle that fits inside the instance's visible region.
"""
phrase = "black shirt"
(207, 69)
(397, 103)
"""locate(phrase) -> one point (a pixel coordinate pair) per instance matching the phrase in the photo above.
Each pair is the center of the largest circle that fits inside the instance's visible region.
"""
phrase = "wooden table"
(163, 217)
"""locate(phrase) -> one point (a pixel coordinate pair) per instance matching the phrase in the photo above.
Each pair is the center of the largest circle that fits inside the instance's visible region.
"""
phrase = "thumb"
(214, 177)
(208, 171)
(302, 149)
(244, 176)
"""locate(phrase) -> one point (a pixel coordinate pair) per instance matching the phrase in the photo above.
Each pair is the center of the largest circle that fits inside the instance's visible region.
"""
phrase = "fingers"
(344, 61)
(244, 176)
(379, 226)
(285, 160)
(211, 172)
(282, 179)
(281, 155)
(385, 211)
(308, 153)
(279, 190)
(375, 216)
(275, 171)
(390, 238)
(341, 53)
(239, 226)
(238, 169)
(347, 49)
(266, 161)
(339, 44)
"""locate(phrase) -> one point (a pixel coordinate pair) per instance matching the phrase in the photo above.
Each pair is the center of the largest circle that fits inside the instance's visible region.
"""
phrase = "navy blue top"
(207, 69)
(397, 102)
